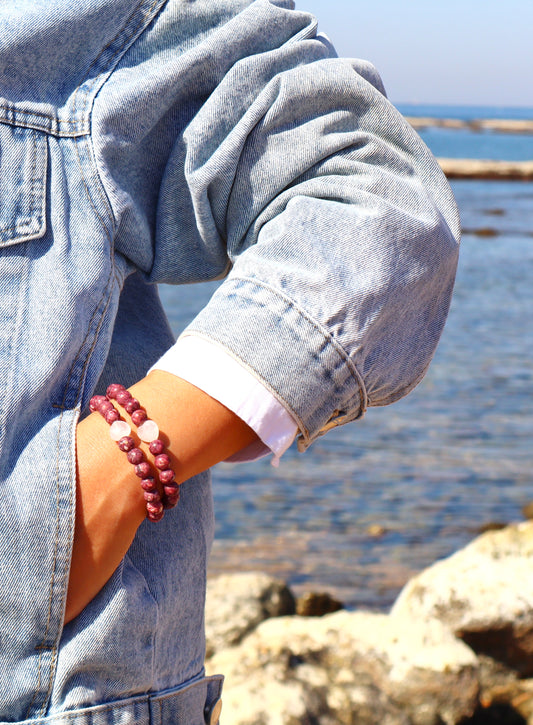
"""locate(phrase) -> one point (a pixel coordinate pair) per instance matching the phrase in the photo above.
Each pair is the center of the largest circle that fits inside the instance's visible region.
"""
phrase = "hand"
(109, 500)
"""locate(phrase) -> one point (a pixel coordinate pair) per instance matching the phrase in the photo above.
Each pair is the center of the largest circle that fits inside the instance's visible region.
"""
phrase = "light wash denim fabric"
(146, 141)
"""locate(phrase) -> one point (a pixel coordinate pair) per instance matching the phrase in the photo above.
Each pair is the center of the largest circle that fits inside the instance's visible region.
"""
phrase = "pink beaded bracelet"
(148, 431)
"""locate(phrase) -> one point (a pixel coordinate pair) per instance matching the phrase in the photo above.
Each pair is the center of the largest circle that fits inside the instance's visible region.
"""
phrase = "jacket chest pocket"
(23, 161)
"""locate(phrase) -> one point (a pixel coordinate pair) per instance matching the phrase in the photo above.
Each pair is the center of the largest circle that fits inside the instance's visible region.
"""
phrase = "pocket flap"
(23, 159)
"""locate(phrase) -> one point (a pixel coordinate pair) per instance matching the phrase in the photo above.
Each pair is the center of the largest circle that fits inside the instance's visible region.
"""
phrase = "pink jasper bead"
(105, 406)
(142, 469)
(152, 496)
(95, 402)
(131, 405)
(111, 416)
(113, 389)
(138, 416)
(172, 496)
(126, 443)
(155, 516)
(162, 461)
(135, 456)
(171, 488)
(154, 507)
(149, 484)
(166, 476)
(156, 447)
(122, 397)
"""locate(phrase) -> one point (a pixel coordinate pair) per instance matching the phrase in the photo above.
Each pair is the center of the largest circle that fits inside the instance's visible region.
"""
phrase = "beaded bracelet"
(148, 431)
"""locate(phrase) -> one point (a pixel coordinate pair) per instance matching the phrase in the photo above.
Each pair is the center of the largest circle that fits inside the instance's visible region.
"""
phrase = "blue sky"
(468, 52)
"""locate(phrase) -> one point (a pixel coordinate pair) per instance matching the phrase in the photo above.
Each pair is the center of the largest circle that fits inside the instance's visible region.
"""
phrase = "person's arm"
(109, 503)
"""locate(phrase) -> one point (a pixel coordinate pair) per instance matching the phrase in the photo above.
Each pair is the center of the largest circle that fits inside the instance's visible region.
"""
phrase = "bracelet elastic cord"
(148, 432)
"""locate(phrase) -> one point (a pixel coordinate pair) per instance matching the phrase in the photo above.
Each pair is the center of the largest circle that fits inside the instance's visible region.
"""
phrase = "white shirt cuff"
(211, 368)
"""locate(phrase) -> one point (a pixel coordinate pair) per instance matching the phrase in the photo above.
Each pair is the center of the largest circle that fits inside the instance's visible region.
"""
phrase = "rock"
(497, 125)
(484, 594)
(316, 604)
(237, 603)
(348, 668)
(527, 510)
(487, 169)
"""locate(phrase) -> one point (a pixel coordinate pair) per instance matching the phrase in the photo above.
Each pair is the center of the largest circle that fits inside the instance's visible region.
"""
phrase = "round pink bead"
(131, 405)
(152, 496)
(105, 406)
(119, 429)
(154, 507)
(113, 389)
(166, 476)
(156, 447)
(172, 496)
(162, 461)
(111, 416)
(172, 491)
(149, 484)
(155, 516)
(122, 397)
(135, 456)
(148, 431)
(142, 469)
(95, 402)
(139, 416)
(126, 443)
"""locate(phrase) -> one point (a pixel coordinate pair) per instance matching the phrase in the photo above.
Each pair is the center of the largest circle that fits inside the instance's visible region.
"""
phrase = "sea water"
(372, 503)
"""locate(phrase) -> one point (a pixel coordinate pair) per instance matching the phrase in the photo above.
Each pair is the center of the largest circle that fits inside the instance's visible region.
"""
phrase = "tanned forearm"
(199, 432)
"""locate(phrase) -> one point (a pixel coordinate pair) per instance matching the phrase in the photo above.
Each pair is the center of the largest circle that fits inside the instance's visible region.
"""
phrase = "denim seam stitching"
(321, 329)
(33, 195)
(100, 80)
(106, 296)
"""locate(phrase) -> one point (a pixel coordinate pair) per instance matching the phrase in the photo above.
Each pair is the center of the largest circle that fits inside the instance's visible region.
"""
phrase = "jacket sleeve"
(339, 231)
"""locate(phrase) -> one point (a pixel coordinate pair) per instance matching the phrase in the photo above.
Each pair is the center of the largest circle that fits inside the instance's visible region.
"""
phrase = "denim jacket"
(149, 141)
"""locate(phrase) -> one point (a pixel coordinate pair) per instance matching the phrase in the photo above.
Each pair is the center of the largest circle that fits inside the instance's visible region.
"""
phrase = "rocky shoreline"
(496, 125)
(486, 169)
(483, 169)
(456, 648)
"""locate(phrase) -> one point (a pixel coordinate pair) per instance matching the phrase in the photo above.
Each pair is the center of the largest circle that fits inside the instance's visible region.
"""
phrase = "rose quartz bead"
(139, 416)
(142, 469)
(162, 461)
(113, 389)
(166, 476)
(122, 397)
(111, 416)
(95, 402)
(131, 405)
(119, 429)
(135, 456)
(148, 431)
(126, 443)
(149, 484)
(156, 447)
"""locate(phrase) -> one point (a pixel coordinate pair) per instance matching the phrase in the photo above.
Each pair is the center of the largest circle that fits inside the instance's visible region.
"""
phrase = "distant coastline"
(496, 125)
(487, 169)
(484, 169)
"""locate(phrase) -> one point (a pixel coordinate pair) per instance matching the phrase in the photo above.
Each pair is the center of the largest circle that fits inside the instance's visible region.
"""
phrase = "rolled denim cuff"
(293, 355)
